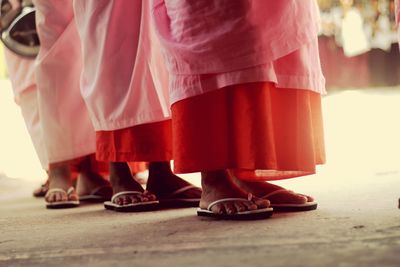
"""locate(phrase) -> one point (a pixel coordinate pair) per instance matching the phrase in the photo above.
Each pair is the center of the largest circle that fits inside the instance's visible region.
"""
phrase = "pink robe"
(67, 130)
(210, 44)
(124, 81)
(22, 76)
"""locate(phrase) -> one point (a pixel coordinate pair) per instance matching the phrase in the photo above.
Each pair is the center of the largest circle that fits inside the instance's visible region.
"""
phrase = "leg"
(42, 190)
(91, 185)
(164, 183)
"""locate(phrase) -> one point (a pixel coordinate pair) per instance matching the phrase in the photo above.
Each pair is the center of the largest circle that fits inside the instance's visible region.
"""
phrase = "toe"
(134, 199)
(250, 205)
(53, 197)
(309, 198)
(289, 197)
(63, 197)
(58, 197)
(300, 199)
(126, 200)
(73, 197)
(230, 208)
(262, 203)
(142, 198)
(240, 207)
(118, 201)
(149, 196)
(152, 197)
(219, 209)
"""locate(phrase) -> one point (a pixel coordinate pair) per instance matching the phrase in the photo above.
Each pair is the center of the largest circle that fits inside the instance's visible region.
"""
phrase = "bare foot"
(60, 177)
(42, 190)
(261, 189)
(121, 180)
(218, 185)
(163, 182)
(92, 183)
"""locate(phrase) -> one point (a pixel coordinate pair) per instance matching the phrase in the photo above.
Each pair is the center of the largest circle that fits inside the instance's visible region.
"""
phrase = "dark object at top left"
(18, 27)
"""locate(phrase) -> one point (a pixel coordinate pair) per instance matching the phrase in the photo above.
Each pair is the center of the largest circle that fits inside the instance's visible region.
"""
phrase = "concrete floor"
(354, 226)
(357, 223)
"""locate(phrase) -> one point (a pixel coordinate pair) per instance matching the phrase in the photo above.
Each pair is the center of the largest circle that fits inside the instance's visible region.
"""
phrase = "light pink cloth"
(22, 75)
(28, 102)
(21, 71)
(67, 129)
(210, 44)
(124, 81)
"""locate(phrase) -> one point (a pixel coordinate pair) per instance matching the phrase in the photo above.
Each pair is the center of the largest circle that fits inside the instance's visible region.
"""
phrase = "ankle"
(159, 167)
(60, 176)
(215, 178)
(120, 169)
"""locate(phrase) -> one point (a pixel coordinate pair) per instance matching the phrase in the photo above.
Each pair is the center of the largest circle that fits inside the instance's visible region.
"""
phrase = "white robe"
(67, 130)
(22, 76)
(124, 81)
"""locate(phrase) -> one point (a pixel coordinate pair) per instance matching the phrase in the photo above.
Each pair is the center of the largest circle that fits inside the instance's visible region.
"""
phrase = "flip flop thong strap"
(181, 190)
(97, 189)
(70, 190)
(224, 200)
(276, 192)
(60, 190)
(125, 193)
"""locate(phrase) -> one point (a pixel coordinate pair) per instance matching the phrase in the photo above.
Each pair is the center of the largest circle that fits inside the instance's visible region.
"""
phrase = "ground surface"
(354, 226)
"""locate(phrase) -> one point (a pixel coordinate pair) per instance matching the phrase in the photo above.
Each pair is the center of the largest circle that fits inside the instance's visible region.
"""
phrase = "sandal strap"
(60, 190)
(181, 190)
(224, 200)
(126, 193)
(70, 190)
(276, 192)
(97, 189)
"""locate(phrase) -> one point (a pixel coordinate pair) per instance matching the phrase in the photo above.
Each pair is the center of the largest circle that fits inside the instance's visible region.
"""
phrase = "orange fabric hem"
(256, 129)
(146, 142)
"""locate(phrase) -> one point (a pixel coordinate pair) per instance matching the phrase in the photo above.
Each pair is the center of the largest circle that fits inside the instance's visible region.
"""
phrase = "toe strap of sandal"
(60, 190)
(181, 190)
(232, 199)
(126, 193)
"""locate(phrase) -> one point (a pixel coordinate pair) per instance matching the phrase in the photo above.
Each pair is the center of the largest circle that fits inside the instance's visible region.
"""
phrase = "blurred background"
(358, 43)
(361, 62)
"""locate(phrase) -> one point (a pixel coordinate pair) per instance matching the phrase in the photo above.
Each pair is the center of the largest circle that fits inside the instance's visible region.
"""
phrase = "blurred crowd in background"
(358, 43)
(359, 26)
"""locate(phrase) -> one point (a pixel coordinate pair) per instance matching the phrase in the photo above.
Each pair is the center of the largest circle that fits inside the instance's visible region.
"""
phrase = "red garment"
(75, 164)
(146, 142)
(249, 127)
